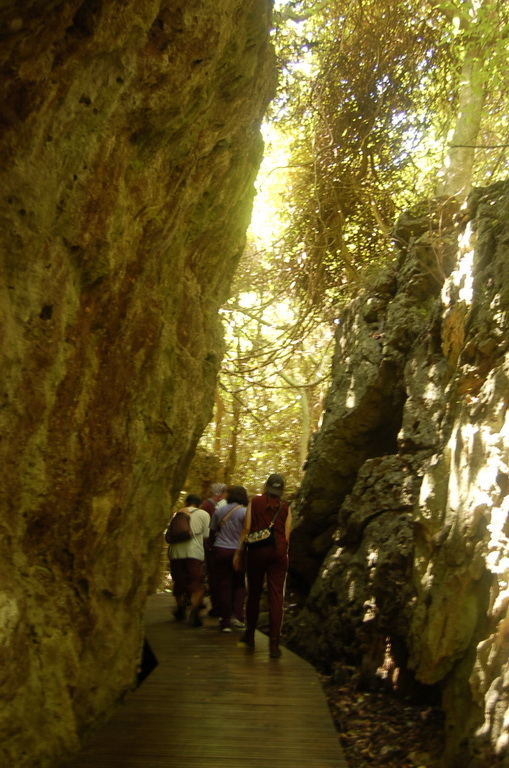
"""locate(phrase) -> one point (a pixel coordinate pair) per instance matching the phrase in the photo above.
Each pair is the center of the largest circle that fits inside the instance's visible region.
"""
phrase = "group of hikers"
(234, 544)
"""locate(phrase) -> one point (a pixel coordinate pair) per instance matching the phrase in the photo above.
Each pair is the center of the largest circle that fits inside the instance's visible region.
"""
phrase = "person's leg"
(255, 570)
(276, 582)
(210, 569)
(196, 587)
(238, 593)
(223, 575)
(178, 572)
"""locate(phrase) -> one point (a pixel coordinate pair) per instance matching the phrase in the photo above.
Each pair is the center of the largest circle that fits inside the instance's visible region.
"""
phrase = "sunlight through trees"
(380, 105)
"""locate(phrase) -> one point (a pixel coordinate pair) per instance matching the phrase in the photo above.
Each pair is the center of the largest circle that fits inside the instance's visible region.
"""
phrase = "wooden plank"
(210, 703)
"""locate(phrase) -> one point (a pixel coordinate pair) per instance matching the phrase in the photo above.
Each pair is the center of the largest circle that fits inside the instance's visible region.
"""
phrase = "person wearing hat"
(270, 561)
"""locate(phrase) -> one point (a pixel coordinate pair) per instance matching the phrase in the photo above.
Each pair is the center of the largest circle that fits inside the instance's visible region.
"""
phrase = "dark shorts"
(188, 575)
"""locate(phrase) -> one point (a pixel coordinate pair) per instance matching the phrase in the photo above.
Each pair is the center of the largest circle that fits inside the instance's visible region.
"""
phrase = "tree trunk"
(455, 177)
(231, 460)
(456, 174)
(305, 415)
(219, 413)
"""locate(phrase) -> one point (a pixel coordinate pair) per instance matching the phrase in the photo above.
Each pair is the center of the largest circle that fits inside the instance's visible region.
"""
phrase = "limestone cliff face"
(129, 145)
(407, 480)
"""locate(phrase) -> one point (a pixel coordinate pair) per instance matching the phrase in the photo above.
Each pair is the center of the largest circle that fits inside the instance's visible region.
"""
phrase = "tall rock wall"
(407, 480)
(129, 145)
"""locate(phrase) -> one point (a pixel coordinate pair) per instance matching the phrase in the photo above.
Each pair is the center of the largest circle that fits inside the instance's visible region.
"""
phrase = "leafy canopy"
(372, 94)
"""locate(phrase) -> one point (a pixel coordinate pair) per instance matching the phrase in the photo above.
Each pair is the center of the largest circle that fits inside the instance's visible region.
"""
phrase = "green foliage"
(369, 94)
(356, 132)
(272, 382)
(368, 104)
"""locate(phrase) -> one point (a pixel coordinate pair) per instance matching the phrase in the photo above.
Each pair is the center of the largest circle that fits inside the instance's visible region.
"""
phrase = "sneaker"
(238, 624)
(226, 629)
(214, 612)
(179, 613)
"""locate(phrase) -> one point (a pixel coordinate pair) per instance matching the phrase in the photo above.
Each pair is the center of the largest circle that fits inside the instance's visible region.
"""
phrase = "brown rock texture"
(407, 481)
(129, 143)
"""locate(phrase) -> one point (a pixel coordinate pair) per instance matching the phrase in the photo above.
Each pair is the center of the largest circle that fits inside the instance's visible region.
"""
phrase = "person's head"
(237, 494)
(217, 491)
(275, 485)
(192, 500)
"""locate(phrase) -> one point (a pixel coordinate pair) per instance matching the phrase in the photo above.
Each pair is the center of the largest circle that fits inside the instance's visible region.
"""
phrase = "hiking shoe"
(246, 641)
(194, 620)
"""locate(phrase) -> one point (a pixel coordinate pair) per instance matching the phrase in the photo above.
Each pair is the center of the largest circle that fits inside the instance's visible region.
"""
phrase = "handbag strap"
(227, 516)
(271, 524)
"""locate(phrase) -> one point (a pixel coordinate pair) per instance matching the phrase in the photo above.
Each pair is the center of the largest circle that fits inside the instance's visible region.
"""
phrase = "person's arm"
(288, 524)
(206, 524)
(247, 527)
(204, 519)
(214, 527)
(214, 521)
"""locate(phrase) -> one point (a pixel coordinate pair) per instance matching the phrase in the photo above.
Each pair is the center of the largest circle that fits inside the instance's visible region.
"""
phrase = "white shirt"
(200, 521)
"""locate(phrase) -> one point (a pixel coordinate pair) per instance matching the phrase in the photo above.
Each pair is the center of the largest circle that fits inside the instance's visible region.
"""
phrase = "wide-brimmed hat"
(275, 485)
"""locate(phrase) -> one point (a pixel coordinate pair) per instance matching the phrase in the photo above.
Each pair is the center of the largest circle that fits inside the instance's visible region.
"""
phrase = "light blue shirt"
(228, 535)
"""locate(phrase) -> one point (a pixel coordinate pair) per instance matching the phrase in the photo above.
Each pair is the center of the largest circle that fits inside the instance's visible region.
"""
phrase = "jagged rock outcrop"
(129, 146)
(205, 469)
(408, 479)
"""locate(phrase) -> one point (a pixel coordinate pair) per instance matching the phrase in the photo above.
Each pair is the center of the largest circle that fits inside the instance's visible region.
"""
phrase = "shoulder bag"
(265, 536)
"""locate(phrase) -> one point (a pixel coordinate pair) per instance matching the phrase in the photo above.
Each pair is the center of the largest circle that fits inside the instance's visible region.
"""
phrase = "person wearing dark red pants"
(186, 563)
(268, 561)
(225, 528)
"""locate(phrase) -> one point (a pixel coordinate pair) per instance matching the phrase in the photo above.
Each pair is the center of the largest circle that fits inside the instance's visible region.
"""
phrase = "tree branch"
(480, 146)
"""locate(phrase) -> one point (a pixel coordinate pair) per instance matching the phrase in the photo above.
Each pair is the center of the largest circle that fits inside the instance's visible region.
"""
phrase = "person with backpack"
(264, 539)
(186, 534)
(225, 528)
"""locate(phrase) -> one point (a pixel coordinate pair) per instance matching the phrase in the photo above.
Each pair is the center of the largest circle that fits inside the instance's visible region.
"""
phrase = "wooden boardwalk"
(210, 703)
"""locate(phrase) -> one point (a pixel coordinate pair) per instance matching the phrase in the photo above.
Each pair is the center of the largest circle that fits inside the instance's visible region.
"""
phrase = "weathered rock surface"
(129, 146)
(408, 480)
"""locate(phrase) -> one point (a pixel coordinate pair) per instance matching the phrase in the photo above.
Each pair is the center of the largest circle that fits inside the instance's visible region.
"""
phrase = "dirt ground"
(378, 730)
